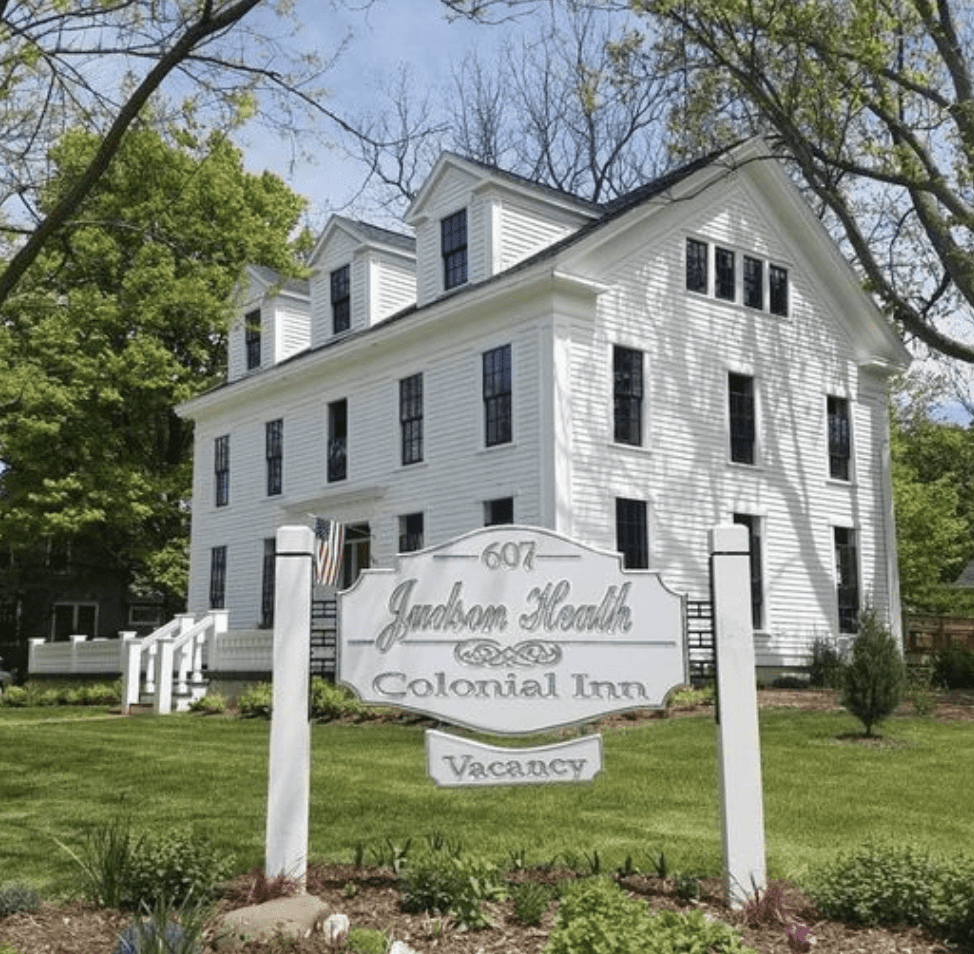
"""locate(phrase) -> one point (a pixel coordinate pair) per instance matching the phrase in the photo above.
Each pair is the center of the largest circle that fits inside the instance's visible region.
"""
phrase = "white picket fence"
(167, 668)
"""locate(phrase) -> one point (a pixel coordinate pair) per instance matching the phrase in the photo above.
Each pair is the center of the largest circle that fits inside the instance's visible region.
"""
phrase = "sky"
(384, 36)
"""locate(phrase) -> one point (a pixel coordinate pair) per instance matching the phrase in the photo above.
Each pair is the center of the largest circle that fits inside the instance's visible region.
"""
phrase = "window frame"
(778, 294)
(697, 270)
(848, 590)
(411, 419)
(411, 532)
(753, 277)
(838, 418)
(337, 446)
(221, 470)
(496, 512)
(627, 396)
(218, 577)
(742, 419)
(632, 532)
(341, 299)
(754, 522)
(498, 387)
(268, 580)
(252, 333)
(274, 454)
(725, 274)
(454, 249)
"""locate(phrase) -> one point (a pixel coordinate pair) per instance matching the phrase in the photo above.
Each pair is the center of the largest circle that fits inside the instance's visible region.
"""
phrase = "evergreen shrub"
(953, 668)
(825, 668)
(16, 897)
(874, 680)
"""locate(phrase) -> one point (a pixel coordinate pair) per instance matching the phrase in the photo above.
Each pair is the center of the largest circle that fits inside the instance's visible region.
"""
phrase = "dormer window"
(341, 299)
(252, 339)
(453, 234)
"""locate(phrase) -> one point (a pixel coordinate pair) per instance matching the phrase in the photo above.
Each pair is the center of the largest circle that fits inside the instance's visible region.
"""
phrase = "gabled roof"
(271, 278)
(488, 173)
(366, 234)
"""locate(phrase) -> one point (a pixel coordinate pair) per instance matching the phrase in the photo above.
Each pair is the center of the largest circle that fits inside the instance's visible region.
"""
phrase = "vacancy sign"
(511, 630)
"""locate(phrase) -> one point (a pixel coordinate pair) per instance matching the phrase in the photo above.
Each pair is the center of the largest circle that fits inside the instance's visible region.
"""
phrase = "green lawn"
(59, 779)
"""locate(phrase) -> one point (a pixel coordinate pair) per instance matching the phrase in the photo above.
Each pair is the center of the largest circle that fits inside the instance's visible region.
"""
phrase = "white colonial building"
(627, 374)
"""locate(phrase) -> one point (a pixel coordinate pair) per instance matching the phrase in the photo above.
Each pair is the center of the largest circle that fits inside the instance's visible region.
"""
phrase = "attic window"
(252, 339)
(453, 235)
(341, 299)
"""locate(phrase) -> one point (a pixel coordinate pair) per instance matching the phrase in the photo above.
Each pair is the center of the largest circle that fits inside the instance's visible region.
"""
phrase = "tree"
(100, 65)
(871, 101)
(555, 105)
(875, 677)
(122, 316)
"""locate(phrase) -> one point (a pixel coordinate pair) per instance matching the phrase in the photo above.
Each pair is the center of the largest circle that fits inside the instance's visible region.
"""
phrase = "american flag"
(329, 543)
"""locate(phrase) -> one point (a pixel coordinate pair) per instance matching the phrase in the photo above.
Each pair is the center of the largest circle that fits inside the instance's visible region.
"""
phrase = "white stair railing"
(132, 669)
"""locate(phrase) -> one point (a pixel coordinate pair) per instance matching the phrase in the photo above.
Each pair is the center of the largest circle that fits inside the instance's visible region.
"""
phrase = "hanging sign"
(511, 630)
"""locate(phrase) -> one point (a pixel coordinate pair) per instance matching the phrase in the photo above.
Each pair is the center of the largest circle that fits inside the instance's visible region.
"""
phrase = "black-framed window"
(218, 577)
(743, 431)
(338, 440)
(725, 279)
(753, 524)
(274, 452)
(411, 418)
(411, 532)
(696, 266)
(252, 339)
(453, 243)
(778, 290)
(341, 299)
(847, 578)
(497, 396)
(267, 580)
(221, 470)
(632, 534)
(627, 395)
(840, 437)
(753, 282)
(498, 512)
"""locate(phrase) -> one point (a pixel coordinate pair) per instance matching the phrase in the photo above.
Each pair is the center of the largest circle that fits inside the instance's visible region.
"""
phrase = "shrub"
(441, 883)
(15, 897)
(162, 929)
(367, 941)
(256, 701)
(18, 696)
(883, 884)
(105, 861)
(329, 701)
(874, 679)
(825, 669)
(953, 668)
(213, 703)
(531, 900)
(596, 917)
(175, 868)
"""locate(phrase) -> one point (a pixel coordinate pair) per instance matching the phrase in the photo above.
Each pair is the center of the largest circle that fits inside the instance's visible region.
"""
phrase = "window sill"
(840, 484)
(637, 450)
(498, 448)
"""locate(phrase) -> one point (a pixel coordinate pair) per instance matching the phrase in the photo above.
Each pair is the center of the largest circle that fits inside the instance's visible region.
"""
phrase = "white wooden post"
(738, 743)
(289, 782)
(131, 671)
(163, 695)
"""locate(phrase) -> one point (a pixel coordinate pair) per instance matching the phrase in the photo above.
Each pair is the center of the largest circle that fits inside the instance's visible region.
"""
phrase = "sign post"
(288, 790)
(738, 743)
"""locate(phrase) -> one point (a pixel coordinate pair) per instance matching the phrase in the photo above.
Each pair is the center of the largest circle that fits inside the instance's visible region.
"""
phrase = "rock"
(295, 917)
(335, 928)
(401, 947)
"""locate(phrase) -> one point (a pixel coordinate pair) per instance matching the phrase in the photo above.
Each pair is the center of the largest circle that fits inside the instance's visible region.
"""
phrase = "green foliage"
(596, 917)
(122, 318)
(256, 701)
(329, 701)
(920, 690)
(443, 883)
(953, 668)
(874, 680)
(15, 897)
(531, 900)
(213, 703)
(367, 941)
(825, 668)
(164, 928)
(121, 869)
(15, 697)
(886, 884)
(34, 694)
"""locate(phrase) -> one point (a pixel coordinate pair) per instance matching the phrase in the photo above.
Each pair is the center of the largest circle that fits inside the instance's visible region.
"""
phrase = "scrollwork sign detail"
(489, 653)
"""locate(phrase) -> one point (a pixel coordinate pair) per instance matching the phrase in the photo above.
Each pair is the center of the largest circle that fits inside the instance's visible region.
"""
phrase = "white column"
(738, 743)
(163, 693)
(289, 782)
(131, 670)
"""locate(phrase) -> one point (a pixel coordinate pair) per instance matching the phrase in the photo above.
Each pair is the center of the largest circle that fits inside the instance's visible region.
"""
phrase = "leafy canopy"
(123, 316)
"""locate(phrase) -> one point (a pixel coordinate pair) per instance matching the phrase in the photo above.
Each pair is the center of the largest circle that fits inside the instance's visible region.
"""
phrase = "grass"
(59, 780)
